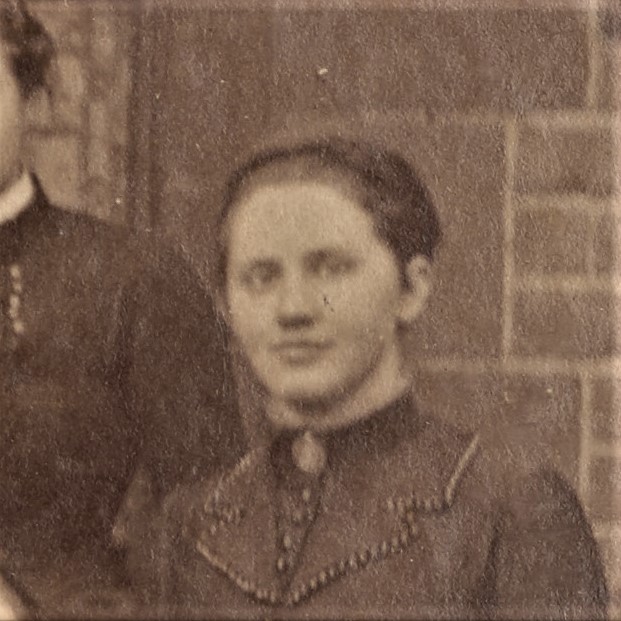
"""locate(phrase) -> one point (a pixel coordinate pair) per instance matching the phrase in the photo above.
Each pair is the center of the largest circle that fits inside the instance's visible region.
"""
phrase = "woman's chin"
(311, 399)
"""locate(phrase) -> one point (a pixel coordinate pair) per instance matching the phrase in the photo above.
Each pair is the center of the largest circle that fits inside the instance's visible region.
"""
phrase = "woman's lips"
(302, 351)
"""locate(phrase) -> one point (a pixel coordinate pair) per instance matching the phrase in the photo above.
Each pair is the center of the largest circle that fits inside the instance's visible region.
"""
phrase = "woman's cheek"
(252, 322)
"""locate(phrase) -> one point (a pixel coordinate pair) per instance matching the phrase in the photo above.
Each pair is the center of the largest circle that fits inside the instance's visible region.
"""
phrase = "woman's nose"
(296, 307)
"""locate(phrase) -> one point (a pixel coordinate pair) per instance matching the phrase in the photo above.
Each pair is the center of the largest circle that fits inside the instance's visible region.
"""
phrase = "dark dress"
(110, 356)
(410, 519)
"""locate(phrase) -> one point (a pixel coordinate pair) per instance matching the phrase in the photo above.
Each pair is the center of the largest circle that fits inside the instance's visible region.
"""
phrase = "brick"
(466, 60)
(537, 418)
(68, 25)
(99, 200)
(610, 20)
(108, 117)
(70, 91)
(565, 160)
(56, 159)
(605, 244)
(117, 101)
(608, 78)
(99, 163)
(39, 112)
(99, 125)
(604, 489)
(105, 39)
(564, 325)
(610, 550)
(552, 241)
(463, 166)
(606, 407)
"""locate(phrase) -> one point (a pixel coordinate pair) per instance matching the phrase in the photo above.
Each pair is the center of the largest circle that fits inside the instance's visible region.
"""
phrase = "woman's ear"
(415, 294)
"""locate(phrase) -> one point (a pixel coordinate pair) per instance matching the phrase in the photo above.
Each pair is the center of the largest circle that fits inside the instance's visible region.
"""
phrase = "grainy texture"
(510, 117)
(78, 140)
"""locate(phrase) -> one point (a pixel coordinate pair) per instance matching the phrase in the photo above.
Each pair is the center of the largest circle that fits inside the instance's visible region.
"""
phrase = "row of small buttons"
(298, 518)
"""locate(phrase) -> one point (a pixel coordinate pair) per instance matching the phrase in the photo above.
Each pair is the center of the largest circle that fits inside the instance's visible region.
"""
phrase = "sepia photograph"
(310, 309)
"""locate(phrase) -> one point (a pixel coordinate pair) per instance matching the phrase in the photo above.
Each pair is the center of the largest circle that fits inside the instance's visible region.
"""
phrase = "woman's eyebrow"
(329, 252)
(261, 263)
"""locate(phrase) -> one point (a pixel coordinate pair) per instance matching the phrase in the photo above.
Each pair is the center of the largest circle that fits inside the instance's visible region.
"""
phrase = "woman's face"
(11, 122)
(312, 292)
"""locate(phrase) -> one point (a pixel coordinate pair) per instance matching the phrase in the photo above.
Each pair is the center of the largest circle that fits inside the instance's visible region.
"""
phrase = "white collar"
(16, 198)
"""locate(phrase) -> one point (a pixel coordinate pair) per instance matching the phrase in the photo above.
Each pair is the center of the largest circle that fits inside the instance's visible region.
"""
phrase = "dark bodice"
(110, 353)
(67, 433)
(410, 519)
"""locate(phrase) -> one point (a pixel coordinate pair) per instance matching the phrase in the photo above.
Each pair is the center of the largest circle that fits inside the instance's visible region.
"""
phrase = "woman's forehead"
(298, 214)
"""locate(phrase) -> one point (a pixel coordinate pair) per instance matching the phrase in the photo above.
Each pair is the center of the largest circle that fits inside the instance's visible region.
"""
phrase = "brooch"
(309, 453)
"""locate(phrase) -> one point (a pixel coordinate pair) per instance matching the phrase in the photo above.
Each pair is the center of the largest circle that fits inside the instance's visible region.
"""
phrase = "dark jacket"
(410, 519)
(110, 355)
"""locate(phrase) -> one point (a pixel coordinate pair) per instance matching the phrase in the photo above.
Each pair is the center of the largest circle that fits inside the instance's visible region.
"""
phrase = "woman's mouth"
(303, 351)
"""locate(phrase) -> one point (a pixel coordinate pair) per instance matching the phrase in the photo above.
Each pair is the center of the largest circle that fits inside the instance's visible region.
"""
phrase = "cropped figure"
(110, 356)
(13, 603)
(360, 505)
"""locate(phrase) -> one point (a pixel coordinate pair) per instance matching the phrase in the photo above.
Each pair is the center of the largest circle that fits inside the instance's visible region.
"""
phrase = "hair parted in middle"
(387, 186)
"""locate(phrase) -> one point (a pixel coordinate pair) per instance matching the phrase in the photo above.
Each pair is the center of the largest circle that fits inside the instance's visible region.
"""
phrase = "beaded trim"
(462, 464)
(230, 478)
(227, 513)
(440, 502)
(357, 560)
(409, 531)
(250, 588)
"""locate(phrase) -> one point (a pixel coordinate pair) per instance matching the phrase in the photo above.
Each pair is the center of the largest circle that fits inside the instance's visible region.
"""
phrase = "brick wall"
(510, 114)
(548, 381)
(78, 138)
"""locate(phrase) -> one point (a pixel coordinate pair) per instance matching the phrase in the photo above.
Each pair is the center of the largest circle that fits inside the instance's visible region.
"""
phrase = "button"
(306, 494)
(287, 542)
(281, 564)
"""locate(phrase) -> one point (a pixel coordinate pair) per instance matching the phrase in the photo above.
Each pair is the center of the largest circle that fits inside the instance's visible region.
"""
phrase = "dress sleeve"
(545, 561)
(179, 379)
(180, 393)
(154, 564)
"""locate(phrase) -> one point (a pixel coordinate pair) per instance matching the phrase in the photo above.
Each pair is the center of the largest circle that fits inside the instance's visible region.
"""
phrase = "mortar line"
(531, 365)
(509, 235)
(594, 50)
(585, 449)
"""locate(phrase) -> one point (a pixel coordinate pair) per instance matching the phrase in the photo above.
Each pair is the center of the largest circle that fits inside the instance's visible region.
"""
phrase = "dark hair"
(404, 213)
(30, 48)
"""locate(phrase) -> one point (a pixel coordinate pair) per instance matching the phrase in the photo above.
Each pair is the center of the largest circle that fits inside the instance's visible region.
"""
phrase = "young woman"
(359, 505)
(110, 354)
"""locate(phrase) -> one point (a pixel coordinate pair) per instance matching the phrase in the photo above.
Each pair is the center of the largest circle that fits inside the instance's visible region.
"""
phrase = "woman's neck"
(387, 383)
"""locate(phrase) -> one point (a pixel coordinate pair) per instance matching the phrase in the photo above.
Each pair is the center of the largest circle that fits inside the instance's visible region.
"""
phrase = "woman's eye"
(333, 267)
(260, 278)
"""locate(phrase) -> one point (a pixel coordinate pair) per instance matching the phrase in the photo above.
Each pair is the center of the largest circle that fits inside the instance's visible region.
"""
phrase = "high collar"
(16, 198)
(378, 432)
